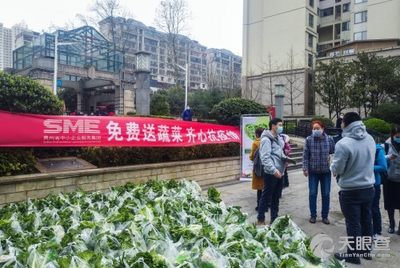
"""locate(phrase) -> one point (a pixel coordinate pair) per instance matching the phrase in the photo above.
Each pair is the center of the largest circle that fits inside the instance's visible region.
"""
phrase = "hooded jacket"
(271, 153)
(354, 158)
(394, 165)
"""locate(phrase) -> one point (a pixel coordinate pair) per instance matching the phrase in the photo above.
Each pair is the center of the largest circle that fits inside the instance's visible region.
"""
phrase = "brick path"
(295, 203)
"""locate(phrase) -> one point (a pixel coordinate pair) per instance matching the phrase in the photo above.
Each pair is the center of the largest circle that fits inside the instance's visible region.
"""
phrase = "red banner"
(31, 130)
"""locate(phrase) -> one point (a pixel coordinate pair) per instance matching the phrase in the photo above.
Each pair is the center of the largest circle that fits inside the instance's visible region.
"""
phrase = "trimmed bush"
(378, 125)
(122, 156)
(159, 104)
(228, 111)
(390, 112)
(16, 161)
(24, 95)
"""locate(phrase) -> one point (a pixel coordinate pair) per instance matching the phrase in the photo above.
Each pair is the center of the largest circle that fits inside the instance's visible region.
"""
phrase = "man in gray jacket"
(273, 161)
(353, 167)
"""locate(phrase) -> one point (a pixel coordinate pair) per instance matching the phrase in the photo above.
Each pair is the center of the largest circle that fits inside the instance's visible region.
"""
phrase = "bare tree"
(295, 84)
(171, 18)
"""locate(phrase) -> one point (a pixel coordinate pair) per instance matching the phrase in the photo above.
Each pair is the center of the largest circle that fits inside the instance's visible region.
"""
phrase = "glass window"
(360, 1)
(346, 26)
(360, 17)
(310, 60)
(360, 35)
(310, 40)
(326, 12)
(311, 2)
(311, 20)
(346, 7)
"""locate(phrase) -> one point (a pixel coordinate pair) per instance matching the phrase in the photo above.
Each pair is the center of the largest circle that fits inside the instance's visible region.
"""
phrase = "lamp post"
(279, 97)
(186, 69)
(56, 44)
(142, 83)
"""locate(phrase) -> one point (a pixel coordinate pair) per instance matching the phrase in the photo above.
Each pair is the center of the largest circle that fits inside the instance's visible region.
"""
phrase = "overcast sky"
(214, 23)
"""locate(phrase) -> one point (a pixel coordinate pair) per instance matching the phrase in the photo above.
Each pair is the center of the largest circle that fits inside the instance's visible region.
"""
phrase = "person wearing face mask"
(317, 149)
(273, 160)
(391, 187)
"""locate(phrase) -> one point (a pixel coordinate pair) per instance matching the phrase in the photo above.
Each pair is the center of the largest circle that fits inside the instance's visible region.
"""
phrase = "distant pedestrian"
(353, 166)
(391, 187)
(257, 183)
(380, 167)
(187, 114)
(273, 160)
(287, 149)
(339, 121)
(317, 150)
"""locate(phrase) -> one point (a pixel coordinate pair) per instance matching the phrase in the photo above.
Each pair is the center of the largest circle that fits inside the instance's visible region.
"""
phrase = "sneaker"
(391, 230)
(341, 257)
(326, 221)
(313, 220)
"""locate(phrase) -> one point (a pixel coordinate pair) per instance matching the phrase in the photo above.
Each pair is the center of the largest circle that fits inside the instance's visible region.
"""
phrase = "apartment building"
(223, 69)
(309, 29)
(344, 21)
(132, 36)
(5, 47)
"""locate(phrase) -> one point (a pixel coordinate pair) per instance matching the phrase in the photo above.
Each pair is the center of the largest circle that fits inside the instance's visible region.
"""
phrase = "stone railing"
(206, 172)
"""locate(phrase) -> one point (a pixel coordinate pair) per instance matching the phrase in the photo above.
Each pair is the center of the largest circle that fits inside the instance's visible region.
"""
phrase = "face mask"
(317, 132)
(280, 130)
(396, 139)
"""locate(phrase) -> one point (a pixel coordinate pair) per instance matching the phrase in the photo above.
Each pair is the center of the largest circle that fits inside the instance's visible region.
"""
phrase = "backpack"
(258, 168)
(384, 174)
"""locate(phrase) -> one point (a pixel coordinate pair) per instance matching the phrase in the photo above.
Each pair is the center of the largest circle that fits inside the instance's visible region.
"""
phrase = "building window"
(338, 1)
(310, 40)
(326, 12)
(310, 60)
(311, 2)
(360, 1)
(311, 20)
(346, 26)
(346, 7)
(360, 35)
(360, 17)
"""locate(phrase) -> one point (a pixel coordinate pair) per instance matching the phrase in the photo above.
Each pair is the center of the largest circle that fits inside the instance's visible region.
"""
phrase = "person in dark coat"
(187, 114)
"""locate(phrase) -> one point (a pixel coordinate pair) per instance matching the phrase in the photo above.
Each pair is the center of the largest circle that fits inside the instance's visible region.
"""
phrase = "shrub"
(24, 95)
(16, 161)
(159, 104)
(389, 112)
(378, 125)
(228, 111)
(202, 102)
(328, 123)
(122, 156)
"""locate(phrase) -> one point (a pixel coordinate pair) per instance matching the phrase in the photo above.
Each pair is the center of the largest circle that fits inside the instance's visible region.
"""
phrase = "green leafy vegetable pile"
(154, 224)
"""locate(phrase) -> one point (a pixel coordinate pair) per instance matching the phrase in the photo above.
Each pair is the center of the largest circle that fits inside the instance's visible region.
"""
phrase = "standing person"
(273, 160)
(187, 114)
(287, 149)
(352, 166)
(391, 187)
(317, 149)
(380, 166)
(257, 183)
(339, 121)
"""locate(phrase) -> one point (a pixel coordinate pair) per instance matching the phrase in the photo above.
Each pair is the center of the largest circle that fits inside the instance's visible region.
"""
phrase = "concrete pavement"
(295, 203)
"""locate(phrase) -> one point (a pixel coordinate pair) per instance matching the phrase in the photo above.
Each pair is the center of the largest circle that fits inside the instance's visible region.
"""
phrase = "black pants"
(392, 223)
(356, 208)
(270, 195)
(376, 212)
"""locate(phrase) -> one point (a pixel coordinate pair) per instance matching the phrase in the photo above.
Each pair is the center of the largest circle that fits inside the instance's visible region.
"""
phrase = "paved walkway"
(295, 203)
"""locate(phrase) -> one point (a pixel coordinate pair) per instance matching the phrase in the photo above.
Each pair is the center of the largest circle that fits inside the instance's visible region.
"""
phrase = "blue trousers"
(325, 180)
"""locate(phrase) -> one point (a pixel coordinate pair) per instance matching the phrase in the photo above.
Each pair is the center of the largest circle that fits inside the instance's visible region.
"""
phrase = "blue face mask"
(280, 130)
(317, 133)
(396, 139)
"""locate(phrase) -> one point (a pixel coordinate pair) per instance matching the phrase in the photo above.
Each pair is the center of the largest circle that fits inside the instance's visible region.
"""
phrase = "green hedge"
(390, 112)
(16, 161)
(378, 125)
(122, 156)
(228, 112)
